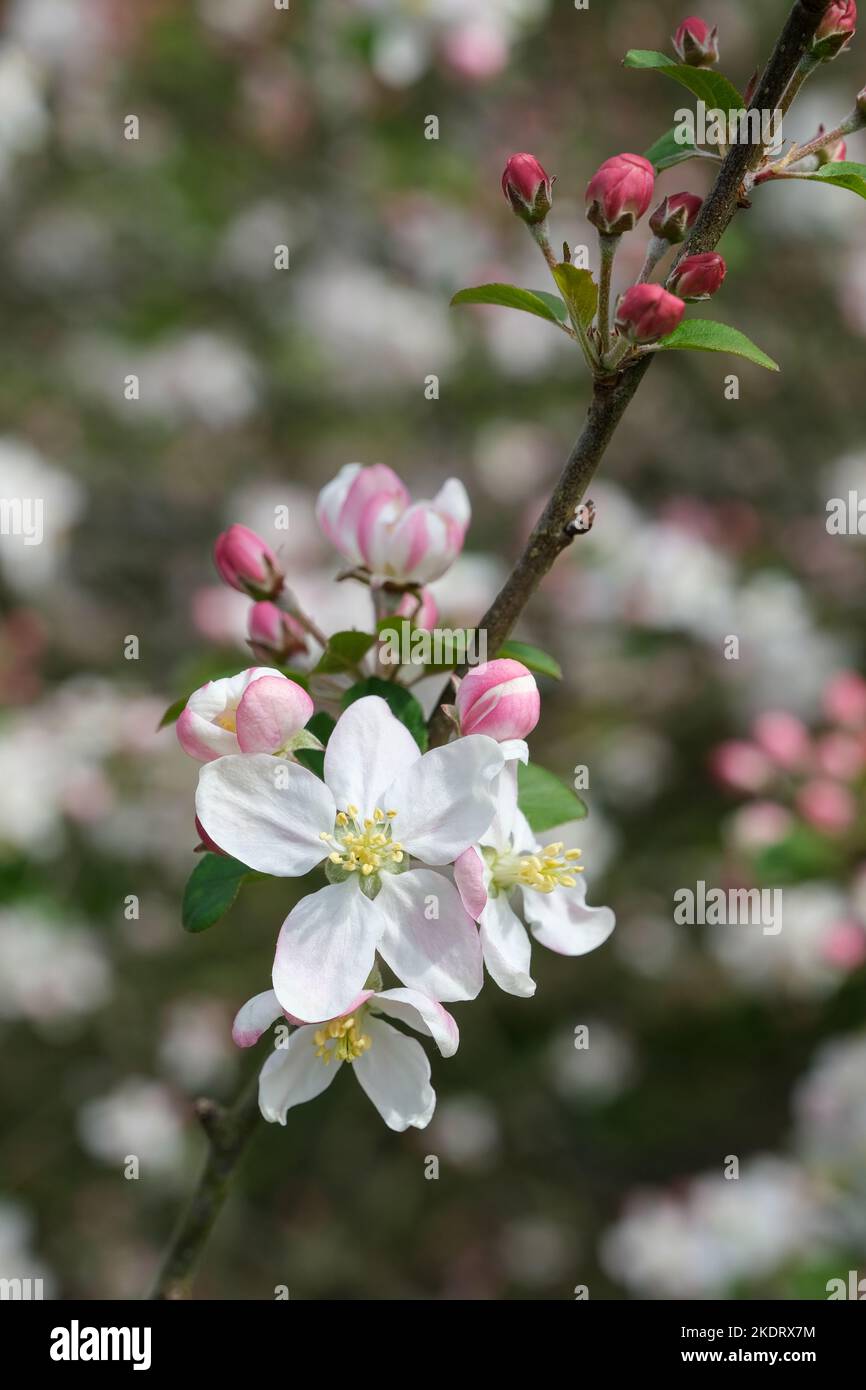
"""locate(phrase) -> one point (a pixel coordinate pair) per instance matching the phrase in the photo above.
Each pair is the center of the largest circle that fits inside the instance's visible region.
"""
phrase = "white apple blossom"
(508, 861)
(392, 1069)
(381, 802)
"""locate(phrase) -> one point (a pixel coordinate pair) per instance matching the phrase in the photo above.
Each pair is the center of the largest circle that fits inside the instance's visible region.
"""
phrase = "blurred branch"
(611, 397)
(228, 1132)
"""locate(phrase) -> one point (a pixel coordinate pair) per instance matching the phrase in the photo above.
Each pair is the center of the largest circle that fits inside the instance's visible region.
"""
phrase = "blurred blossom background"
(559, 1166)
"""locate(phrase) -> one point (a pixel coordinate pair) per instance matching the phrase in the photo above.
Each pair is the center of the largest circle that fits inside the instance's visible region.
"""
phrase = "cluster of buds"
(247, 563)
(696, 43)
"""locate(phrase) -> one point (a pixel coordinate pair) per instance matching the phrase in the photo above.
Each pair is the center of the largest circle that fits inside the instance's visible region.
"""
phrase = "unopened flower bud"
(247, 563)
(527, 188)
(272, 711)
(696, 43)
(647, 312)
(499, 699)
(619, 193)
(835, 31)
(675, 216)
(274, 636)
(699, 277)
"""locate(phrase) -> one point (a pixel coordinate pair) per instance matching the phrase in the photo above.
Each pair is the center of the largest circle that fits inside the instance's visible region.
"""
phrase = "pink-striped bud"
(207, 728)
(528, 188)
(675, 216)
(424, 614)
(246, 562)
(845, 700)
(619, 193)
(370, 518)
(696, 43)
(499, 699)
(646, 313)
(836, 30)
(271, 714)
(274, 635)
(826, 805)
(698, 277)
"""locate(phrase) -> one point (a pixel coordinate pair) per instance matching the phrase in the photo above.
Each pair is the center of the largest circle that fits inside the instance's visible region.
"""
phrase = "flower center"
(227, 720)
(341, 1039)
(550, 868)
(365, 847)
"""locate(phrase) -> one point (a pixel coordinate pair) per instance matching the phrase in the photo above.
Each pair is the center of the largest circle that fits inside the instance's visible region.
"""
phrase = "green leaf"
(667, 151)
(322, 725)
(533, 657)
(401, 702)
(544, 800)
(211, 889)
(579, 291)
(173, 713)
(703, 335)
(344, 651)
(544, 306)
(845, 174)
(705, 83)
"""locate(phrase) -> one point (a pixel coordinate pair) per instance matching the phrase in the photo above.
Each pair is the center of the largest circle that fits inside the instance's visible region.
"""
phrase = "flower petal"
(255, 1017)
(469, 876)
(272, 710)
(325, 951)
(439, 956)
(423, 1014)
(562, 920)
(268, 813)
(367, 751)
(293, 1074)
(446, 800)
(506, 946)
(395, 1074)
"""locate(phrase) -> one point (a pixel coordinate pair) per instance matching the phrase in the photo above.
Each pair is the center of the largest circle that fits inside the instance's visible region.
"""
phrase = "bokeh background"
(558, 1167)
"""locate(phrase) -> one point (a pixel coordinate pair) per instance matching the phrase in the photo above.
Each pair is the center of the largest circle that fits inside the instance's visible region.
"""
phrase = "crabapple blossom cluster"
(649, 317)
(430, 868)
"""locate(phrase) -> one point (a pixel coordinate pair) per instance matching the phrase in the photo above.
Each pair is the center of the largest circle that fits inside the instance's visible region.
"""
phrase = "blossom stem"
(228, 1133)
(656, 248)
(608, 245)
(611, 396)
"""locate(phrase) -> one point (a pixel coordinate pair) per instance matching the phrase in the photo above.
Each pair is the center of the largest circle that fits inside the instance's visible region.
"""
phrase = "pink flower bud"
(741, 766)
(698, 277)
(274, 635)
(425, 614)
(840, 755)
(836, 30)
(845, 945)
(207, 728)
(783, 737)
(205, 840)
(619, 193)
(696, 43)
(368, 515)
(500, 699)
(826, 805)
(759, 824)
(830, 154)
(270, 713)
(675, 216)
(845, 700)
(528, 188)
(647, 312)
(246, 562)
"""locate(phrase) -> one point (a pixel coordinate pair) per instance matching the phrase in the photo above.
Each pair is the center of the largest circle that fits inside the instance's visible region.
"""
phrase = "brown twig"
(610, 398)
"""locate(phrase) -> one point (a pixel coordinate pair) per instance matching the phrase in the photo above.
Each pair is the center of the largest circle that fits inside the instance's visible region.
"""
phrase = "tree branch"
(611, 397)
(228, 1132)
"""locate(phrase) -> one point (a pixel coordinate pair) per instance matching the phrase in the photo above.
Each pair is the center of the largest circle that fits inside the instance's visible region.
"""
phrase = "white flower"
(508, 861)
(380, 802)
(391, 1068)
